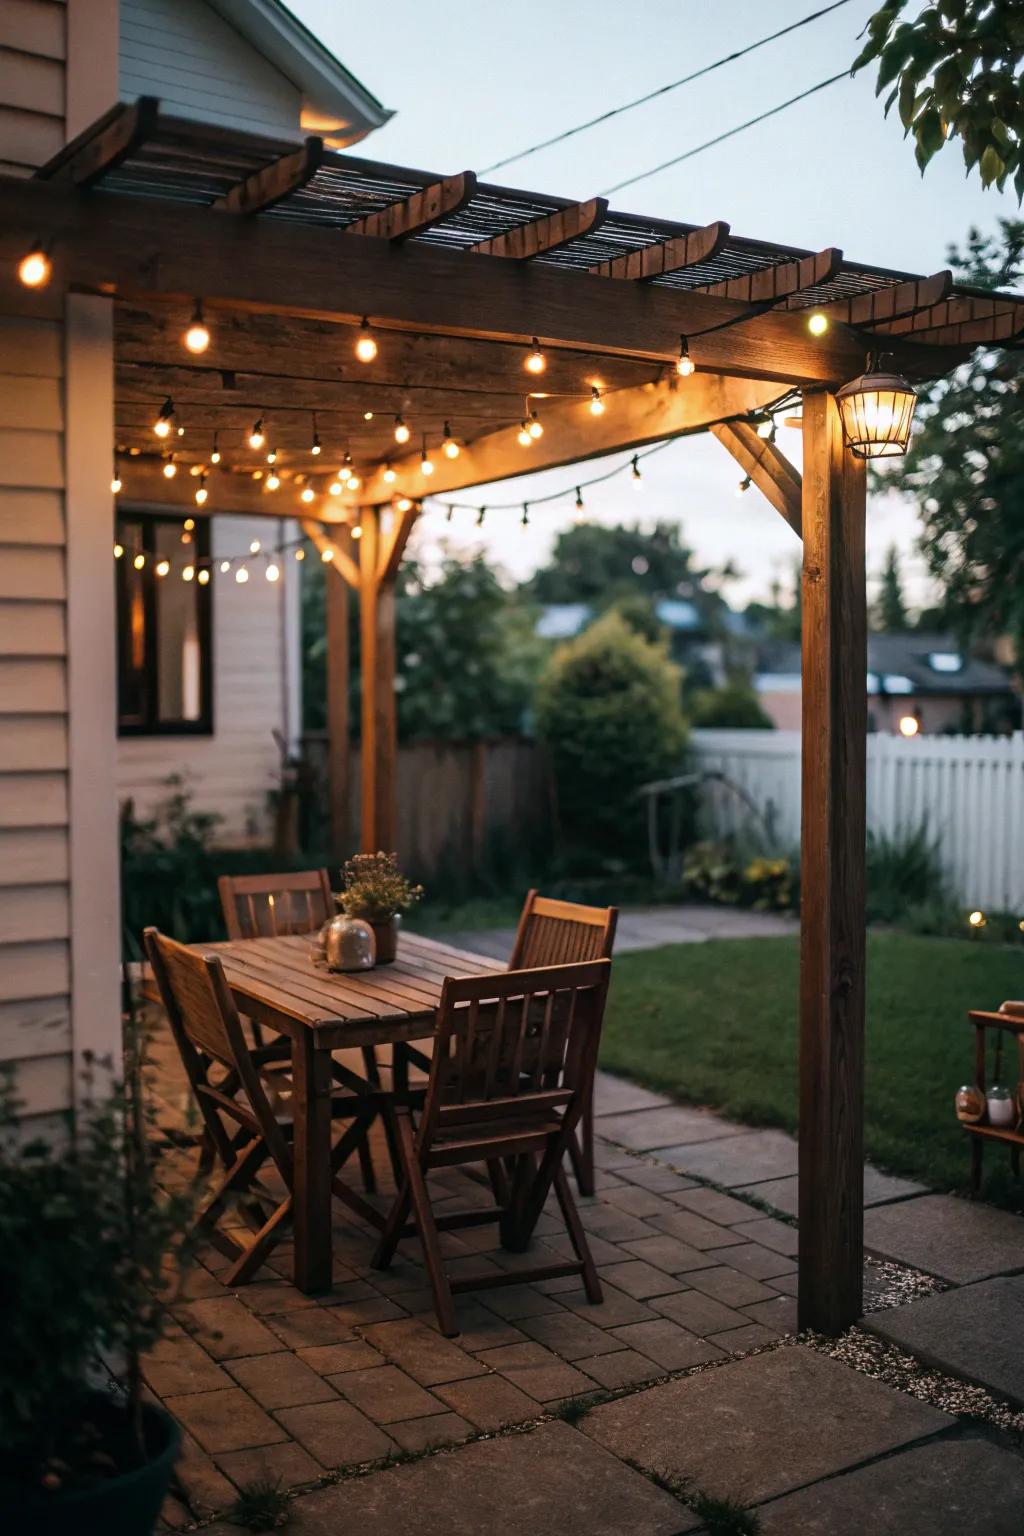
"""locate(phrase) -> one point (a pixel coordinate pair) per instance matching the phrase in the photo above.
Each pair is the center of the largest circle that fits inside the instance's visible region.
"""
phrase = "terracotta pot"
(386, 936)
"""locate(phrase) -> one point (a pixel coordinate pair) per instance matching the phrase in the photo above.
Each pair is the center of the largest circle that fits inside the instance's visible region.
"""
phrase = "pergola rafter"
(148, 235)
(270, 183)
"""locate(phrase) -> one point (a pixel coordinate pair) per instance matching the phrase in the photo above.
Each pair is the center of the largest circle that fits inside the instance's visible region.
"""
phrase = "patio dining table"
(276, 982)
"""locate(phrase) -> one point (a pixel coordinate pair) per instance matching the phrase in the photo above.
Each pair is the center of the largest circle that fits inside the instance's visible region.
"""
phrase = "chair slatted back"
(517, 1044)
(266, 906)
(562, 932)
(204, 1019)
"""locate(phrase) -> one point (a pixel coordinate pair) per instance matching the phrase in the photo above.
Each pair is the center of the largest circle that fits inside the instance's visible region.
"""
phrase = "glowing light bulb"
(367, 415)
(201, 495)
(449, 446)
(118, 551)
(115, 485)
(273, 571)
(389, 477)
(162, 425)
(402, 433)
(188, 573)
(300, 554)
(817, 323)
(403, 504)
(596, 403)
(225, 566)
(35, 268)
(353, 482)
(307, 494)
(535, 427)
(335, 488)
(685, 364)
(170, 469)
(272, 456)
(523, 437)
(139, 562)
(241, 575)
(581, 511)
(190, 522)
(257, 437)
(203, 577)
(536, 362)
(197, 337)
(366, 347)
(426, 466)
(977, 919)
(215, 455)
(255, 547)
(327, 555)
(162, 567)
(357, 531)
(314, 446)
(909, 725)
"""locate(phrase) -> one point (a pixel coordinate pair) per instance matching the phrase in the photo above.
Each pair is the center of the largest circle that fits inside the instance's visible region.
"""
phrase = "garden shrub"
(608, 707)
(903, 872)
(732, 707)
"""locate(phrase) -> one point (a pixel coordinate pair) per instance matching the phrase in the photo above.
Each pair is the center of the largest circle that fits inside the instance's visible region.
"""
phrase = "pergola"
(290, 250)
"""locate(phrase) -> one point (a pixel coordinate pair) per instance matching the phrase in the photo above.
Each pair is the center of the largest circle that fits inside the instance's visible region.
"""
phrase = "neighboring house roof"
(335, 103)
(561, 621)
(897, 664)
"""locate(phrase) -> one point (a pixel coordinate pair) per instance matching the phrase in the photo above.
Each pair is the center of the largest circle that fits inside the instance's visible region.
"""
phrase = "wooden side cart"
(1009, 1018)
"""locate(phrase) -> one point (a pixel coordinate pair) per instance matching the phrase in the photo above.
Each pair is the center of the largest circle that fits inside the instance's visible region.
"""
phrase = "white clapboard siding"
(200, 67)
(28, 854)
(32, 86)
(39, 1028)
(231, 772)
(967, 790)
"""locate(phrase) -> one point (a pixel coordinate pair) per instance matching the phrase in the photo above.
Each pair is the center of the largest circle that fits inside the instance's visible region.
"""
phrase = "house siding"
(200, 67)
(32, 83)
(232, 771)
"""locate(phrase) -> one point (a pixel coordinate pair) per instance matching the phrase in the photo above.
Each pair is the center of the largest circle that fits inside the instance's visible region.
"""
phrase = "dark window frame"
(152, 725)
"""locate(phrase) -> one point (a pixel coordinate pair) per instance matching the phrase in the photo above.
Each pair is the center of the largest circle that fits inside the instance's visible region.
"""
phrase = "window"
(164, 653)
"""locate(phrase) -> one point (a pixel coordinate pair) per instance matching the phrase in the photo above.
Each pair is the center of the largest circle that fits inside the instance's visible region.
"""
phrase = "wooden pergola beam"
(103, 147)
(964, 320)
(343, 563)
(897, 299)
(771, 284)
(275, 181)
(667, 256)
(632, 418)
(767, 467)
(832, 919)
(145, 249)
(412, 215)
(546, 234)
(392, 545)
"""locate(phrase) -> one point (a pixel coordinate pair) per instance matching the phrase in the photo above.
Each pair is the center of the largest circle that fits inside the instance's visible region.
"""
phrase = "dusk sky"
(472, 81)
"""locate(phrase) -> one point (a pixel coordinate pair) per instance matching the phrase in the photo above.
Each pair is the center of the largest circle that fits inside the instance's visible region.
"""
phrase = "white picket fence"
(969, 789)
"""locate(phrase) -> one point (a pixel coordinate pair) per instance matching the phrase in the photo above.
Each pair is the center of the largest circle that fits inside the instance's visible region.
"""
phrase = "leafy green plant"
(86, 1235)
(903, 871)
(724, 1517)
(608, 708)
(767, 885)
(711, 872)
(732, 707)
(262, 1505)
(376, 889)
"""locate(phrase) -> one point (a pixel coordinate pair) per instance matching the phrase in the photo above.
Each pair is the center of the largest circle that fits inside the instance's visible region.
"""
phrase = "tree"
(608, 708)
(965, 469)
(953, 72)
(891, 610)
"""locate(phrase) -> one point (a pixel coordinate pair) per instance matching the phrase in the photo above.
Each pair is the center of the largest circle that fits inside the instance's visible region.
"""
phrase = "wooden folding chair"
(512, 1068)
(560, 933)
(245, 1107)
(298, 901)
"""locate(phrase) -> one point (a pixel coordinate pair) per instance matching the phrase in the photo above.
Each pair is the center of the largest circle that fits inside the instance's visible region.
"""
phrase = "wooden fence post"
(379, 739)
(834, 709)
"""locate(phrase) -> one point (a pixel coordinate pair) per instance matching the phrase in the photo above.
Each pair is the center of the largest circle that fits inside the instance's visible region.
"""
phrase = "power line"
(603, 117)
(728, 134)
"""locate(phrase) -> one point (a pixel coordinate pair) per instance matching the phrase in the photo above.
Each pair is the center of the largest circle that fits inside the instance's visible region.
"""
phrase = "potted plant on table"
(377, 891)
(85, 1234)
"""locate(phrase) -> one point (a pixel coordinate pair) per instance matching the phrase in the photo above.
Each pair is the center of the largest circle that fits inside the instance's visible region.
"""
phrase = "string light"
(215, 455)
(162, 425)
(203, 576)
(523, 436)
(115, 484)
(273, 481)
(353, 482)
(389, 476)
(139, 562)
(307, 494)
(581, 511)
(536, 362)
(534, 426)
(118, 551)
(403, 504)
(225, 566)
(743, 486)
(170, 468)
(426, 462)
(197, 337)
(366, 346)
(188, 573)
(201, 492)
(367, 415)
(242, 575)
(685, 364)
(335, 488)
(35, 267)
(449, 446)
(314, 446)
(190, 522)
(257, 437)
(327, 555)
(449, 513)
(272, 456)
(402, 433)
(162, 567)
(526, 514)
(257, 474)
(357, 530)
(636, 477)
(255, 547)
(480, 517)
(817, 323)
(300, 553)
(596, 403)
(273, 571)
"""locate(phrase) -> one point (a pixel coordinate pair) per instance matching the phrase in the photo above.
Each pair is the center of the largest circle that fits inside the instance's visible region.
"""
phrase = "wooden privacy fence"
(969, 790)
(458, 802)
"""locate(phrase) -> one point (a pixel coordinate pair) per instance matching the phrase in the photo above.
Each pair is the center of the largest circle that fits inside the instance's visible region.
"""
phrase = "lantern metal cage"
(877, 410)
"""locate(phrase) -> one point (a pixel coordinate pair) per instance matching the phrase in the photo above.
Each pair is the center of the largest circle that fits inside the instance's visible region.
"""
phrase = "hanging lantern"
(876, 410)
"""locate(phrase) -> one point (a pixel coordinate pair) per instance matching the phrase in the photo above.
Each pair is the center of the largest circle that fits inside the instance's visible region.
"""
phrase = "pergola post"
(377, 642)
(832, 944)
(336, 602)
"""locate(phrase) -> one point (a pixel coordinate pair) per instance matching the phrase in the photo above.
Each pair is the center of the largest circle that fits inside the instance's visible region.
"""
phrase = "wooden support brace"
(667, 256)
(412, 215)
(273, 182)
(767, 466)
(393, 546)
(102, 148)
(549, 233)
(377, 659)
(343, 563)
(834, 734)
(769, 285)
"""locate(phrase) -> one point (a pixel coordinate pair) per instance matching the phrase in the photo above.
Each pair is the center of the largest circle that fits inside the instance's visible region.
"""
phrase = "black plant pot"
(127, 1505)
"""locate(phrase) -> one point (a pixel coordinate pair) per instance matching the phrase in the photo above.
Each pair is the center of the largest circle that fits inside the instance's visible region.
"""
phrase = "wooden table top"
(276, 982)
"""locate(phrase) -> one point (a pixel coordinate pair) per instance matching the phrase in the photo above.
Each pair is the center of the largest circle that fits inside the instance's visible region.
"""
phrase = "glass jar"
(349, 944)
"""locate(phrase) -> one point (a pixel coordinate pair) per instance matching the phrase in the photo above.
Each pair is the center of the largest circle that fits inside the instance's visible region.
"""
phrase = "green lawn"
(716, 1024)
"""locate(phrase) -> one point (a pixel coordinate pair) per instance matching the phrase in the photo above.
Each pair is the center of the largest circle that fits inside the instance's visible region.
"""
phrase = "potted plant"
(377, 891)
(85, 1234)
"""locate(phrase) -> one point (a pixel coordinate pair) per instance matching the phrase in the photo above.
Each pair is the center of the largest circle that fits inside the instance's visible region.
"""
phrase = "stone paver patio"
(548, 1414)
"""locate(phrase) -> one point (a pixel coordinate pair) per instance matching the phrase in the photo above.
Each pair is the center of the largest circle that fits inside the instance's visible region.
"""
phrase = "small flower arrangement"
(375, 888)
